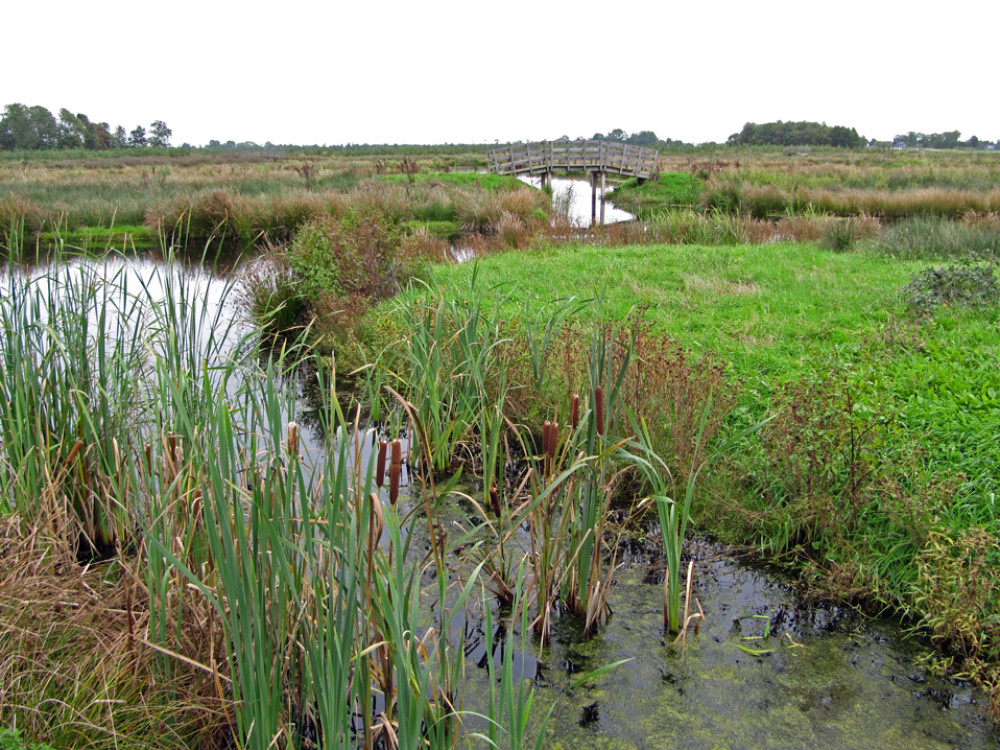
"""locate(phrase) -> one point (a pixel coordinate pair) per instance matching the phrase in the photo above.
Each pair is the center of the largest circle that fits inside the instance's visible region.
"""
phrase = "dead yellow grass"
(75, 670)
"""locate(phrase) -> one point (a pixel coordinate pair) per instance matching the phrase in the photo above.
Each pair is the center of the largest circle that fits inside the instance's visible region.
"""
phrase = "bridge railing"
(574, 156)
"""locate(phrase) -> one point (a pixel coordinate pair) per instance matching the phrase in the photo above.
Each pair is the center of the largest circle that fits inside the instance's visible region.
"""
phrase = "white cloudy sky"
(462, 71)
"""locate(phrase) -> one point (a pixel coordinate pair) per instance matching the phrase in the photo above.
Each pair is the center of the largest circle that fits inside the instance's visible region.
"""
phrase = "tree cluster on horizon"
(24, 128)
(950, 139)
(642, 138)
(803, 133)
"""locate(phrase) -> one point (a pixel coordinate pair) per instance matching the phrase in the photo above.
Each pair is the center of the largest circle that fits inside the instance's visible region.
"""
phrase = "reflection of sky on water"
(135, 295)
(578, 194)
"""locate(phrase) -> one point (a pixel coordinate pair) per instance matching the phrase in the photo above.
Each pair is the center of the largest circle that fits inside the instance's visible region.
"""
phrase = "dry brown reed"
(477, 211)
(228, 214)
(14, 210)
(774, 200)
(671, 388)
(78, 667)
(419, 244)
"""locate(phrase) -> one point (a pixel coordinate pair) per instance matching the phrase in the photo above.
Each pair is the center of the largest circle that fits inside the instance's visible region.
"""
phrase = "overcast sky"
(462, 71)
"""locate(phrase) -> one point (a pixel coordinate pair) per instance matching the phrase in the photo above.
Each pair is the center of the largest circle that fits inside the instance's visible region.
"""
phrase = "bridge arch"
(598, 158)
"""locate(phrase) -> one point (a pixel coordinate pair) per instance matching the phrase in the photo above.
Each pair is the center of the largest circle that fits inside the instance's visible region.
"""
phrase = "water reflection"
(573, 197)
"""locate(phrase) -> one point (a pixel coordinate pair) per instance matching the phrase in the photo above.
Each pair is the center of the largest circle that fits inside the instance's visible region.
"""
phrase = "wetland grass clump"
(927, 238)
(72, 361)
(82, 343)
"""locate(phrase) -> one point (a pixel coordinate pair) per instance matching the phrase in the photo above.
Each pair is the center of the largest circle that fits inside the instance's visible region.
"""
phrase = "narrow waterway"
(572, 198)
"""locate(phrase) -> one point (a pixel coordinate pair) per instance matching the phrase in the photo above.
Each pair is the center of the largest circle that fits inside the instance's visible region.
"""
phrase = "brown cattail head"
(397, 452)
(293, 439)
(383, 449)
(495, 501)
(394, 472)
(553, 440)
(574, 411)
(599, 409)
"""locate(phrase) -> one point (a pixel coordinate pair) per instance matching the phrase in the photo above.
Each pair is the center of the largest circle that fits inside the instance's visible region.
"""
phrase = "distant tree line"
(642, 138)
(796, 134)
(951, 139)
(24, 128)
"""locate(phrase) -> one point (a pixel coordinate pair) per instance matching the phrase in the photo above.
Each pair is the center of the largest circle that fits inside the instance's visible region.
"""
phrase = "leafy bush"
(357, 254)
(968, 282)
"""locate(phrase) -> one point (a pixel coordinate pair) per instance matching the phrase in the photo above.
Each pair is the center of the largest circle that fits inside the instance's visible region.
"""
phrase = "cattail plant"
(383, 446)
(395, 470)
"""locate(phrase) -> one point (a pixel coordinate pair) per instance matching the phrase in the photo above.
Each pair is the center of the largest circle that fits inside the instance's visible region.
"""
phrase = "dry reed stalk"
(688, 618)
(495, 501)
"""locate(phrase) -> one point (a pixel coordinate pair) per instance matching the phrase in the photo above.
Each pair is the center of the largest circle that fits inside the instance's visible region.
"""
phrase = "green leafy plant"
(968, 282)
(355, 254)
(11, 739)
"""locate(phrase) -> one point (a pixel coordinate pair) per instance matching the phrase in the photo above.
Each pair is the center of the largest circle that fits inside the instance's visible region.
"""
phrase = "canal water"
(572, 198)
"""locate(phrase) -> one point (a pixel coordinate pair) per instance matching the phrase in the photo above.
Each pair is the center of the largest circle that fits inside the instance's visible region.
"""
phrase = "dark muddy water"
(825, 677)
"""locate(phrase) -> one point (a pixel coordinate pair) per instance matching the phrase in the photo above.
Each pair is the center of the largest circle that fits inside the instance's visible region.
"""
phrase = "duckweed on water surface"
(830, 678)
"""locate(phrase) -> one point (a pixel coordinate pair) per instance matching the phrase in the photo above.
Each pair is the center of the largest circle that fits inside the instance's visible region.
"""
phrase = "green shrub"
(967, 282)
(357, 254)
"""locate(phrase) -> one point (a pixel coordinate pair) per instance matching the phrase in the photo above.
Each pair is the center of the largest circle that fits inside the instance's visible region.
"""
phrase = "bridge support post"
(603, 189)
(593, 199)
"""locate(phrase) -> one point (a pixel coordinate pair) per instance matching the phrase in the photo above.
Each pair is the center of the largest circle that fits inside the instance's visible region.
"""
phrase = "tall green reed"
(449, 367)
(71, 357)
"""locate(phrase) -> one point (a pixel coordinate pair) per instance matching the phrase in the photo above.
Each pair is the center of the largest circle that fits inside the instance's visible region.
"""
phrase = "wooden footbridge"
(599, 158)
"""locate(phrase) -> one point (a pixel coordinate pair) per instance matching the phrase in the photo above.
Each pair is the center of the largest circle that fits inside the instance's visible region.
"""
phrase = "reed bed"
(473, 386)
(274, 597)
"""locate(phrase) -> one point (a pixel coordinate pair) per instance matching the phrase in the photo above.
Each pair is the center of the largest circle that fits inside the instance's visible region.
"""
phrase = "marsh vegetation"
(525, 438)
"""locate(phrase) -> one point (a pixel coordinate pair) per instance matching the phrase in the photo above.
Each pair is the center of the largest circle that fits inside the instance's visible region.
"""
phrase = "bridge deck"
(611, 157)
